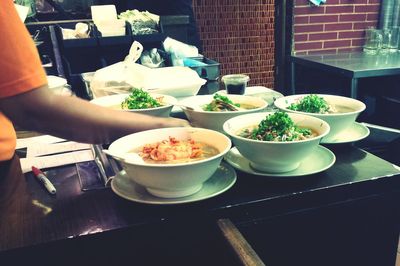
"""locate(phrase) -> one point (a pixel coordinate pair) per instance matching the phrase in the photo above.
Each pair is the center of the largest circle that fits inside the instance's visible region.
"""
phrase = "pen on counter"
(44, 180)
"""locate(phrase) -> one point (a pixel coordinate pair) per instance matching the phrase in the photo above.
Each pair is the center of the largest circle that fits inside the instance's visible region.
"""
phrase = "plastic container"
(207, 69)
(188, 83)
(235, 83)
(174, 81)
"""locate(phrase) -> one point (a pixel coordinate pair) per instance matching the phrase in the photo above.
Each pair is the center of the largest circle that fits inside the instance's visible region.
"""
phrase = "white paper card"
(44, 139)
(103, 13)
(40, 149)
(56, 160)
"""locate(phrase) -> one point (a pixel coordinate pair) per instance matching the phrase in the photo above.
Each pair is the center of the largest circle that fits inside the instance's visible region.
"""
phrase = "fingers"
(176, 122)
(183, 123)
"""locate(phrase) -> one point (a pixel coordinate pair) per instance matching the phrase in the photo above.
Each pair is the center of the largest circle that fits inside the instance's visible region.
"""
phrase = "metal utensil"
(125, 157)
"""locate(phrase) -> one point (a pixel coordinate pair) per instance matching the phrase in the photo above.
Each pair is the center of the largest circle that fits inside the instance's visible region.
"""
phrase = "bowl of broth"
(276, 142)
(338, 111)
(139, 101)
(211, 111)
(171, 162)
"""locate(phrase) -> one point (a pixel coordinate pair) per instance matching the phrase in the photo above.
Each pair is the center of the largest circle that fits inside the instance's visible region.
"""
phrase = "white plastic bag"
(114, 79)
(120, 77)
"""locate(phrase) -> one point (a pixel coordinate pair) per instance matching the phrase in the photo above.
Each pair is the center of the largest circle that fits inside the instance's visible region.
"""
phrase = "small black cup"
(235, 83)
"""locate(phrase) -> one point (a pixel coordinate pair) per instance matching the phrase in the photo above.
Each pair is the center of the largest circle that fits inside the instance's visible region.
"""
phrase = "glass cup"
(386, 40)
(373, 40)
(235, 83)
(394, 41)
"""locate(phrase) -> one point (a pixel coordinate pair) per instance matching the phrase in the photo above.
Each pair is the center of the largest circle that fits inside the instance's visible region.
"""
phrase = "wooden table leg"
(238, 243)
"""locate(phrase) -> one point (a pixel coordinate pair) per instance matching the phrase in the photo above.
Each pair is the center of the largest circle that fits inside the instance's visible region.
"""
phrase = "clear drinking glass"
(386, 39)
(373, 40)
(395, 40)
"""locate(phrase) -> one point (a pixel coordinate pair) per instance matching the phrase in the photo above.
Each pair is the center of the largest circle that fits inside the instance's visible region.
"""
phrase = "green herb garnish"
(311, 104)
(217, 104)
(139, 99)
(278, 127)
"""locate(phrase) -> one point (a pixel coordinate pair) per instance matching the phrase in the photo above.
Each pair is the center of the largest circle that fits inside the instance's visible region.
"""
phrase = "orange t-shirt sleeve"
(20, 66)
(20, 69)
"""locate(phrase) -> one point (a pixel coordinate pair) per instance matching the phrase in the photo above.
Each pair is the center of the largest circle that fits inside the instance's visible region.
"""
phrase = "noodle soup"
(280, 140)
(221, 103)
(279, 127)
(165, 179)
(338, 111)
(173, 151)
(121, 107)
(313, 103)
(116, 101)
(293, 135)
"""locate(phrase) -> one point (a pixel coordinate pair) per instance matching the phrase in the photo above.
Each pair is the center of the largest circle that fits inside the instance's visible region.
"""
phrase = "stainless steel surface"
(356, 64)
(352, 65)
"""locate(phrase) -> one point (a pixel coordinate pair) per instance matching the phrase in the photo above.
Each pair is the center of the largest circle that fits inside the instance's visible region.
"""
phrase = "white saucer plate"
(223, 179)
(354, 133)
(318, 161)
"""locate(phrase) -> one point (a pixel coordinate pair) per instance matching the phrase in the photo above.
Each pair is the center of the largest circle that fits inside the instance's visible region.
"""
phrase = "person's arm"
(76, 119)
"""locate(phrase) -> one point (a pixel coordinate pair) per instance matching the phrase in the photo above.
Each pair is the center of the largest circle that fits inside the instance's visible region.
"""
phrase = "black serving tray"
(76, 43)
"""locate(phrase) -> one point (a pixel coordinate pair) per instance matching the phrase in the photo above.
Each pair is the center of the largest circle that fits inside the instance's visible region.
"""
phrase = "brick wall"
(239, 34)
(335, 26)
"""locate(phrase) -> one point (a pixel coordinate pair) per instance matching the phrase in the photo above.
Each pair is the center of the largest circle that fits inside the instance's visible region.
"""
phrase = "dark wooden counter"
(347, 211)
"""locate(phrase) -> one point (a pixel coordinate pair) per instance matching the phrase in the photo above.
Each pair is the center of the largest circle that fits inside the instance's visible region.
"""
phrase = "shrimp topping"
(171, 150)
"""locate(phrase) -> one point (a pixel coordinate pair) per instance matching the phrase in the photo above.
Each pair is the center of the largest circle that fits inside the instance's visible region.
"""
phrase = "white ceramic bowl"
(215, 120)
(270, 156)
(170, 180)
(338, 122)
(116, 100)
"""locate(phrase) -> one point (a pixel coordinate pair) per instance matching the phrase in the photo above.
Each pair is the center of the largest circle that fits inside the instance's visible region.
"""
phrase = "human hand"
(176, 122)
